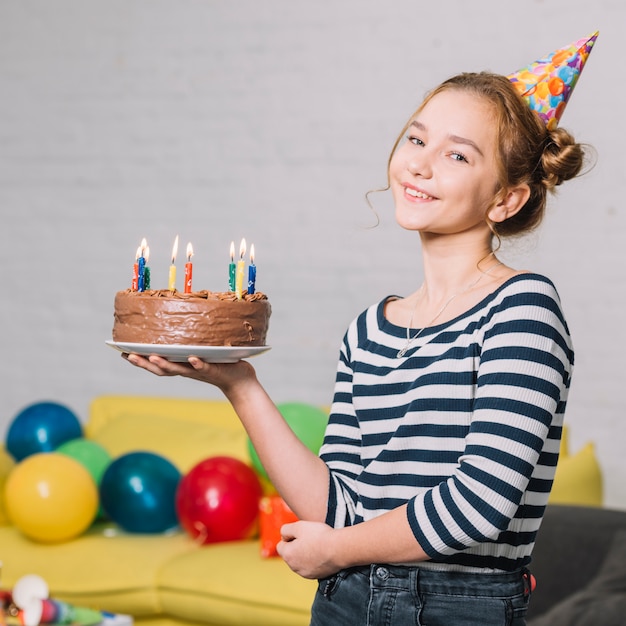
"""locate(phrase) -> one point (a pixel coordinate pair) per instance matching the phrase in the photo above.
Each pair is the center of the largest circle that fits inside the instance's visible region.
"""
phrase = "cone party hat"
(547, 84)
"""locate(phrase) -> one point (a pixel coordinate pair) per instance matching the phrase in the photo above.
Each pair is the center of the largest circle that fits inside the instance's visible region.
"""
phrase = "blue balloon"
(41, 427)
(138, 492)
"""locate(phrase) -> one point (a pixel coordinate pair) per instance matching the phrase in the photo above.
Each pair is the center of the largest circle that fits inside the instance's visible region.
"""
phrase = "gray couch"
(579, 562)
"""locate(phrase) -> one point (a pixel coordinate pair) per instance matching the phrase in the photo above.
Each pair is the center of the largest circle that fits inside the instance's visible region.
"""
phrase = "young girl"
(443, 438)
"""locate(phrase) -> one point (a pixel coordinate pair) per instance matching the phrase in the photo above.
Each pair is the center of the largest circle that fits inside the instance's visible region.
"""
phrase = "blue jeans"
(389, 595)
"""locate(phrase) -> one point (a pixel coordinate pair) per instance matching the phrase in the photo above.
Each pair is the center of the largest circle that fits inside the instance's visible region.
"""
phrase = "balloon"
(90, 454)
(308, 422)
(41, 427)
(50, 497)
(218, 500)
(138, 491)
(6, 467)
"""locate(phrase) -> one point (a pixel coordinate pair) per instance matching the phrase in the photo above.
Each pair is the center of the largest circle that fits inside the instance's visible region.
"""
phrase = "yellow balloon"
(6, 465)
(51, 497)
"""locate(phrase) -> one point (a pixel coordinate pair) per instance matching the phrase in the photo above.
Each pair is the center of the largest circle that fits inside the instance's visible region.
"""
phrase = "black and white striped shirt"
(465, 427)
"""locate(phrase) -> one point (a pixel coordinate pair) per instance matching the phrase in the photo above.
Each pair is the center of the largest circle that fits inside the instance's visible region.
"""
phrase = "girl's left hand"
(305, 547)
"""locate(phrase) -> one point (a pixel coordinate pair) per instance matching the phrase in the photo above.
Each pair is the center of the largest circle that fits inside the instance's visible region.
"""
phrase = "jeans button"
(382, 573)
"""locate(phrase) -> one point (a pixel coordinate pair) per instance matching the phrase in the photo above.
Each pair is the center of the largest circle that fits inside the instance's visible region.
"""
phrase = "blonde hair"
(528, 153)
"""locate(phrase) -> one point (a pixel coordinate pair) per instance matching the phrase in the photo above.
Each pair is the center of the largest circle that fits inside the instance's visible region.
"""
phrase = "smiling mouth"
(418, 194)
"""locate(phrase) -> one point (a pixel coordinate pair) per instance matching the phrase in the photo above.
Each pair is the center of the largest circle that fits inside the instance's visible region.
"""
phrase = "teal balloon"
(307, 421)
(41, 427)
(138, 492)
(88, 453)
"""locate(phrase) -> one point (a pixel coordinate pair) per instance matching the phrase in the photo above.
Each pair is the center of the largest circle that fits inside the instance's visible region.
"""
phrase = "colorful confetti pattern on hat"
(547, 84)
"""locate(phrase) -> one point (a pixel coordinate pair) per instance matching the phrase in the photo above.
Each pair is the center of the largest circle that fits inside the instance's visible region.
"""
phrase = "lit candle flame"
(138, 254)
(232, 251)
(144, 245)
(175, 250)
(189, 252)
(252, 253)
(242, 249)
(146, 253)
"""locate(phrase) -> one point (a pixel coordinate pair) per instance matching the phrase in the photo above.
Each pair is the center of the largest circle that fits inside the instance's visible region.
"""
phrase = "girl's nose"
(419, 165)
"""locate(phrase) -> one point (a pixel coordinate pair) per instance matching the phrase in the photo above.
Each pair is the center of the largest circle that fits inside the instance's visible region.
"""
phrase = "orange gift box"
(273, 513)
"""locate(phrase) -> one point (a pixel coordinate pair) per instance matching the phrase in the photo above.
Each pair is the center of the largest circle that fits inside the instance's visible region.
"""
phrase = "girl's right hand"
(225, 376)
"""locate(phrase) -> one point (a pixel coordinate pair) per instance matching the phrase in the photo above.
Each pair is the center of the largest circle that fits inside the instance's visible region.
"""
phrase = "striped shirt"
(465, 428)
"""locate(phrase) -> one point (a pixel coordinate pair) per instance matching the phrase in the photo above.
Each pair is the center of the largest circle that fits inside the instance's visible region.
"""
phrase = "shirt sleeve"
(342, 442)
(522, 381)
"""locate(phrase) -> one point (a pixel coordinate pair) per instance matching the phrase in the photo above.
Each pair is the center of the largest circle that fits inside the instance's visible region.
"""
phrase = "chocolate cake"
(202, 318)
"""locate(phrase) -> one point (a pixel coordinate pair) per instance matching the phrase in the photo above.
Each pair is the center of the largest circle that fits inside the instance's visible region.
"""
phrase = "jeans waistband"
(498, 584)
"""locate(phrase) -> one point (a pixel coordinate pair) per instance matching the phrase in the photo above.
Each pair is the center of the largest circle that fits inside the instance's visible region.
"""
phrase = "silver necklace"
(410, 340)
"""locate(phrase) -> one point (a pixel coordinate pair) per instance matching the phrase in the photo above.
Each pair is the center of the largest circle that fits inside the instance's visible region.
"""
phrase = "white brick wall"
(123, 119)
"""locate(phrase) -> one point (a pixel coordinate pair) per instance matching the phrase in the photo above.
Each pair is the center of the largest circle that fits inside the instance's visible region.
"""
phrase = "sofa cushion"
(578, 478)
(572, 545)
(104, 568)
(603, 601)
(103, 409)
(230, 583)
(183, 431)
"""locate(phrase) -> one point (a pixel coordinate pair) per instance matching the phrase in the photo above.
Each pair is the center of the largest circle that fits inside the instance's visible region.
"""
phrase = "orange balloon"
(51, 497)
(542, 90)
(556, 86)
(560, 56)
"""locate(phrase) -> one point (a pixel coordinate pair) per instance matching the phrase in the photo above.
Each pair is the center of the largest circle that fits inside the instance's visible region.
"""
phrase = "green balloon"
(88, 453)
(308, 422)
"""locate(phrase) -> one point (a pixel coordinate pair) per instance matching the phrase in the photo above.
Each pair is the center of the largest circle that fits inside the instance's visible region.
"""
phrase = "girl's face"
(443, 177)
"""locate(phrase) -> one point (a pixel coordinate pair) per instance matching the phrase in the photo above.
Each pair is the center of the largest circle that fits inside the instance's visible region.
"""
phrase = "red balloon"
(218, 500)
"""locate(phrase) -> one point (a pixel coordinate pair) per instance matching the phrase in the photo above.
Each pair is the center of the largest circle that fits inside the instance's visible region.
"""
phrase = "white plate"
(179, 353)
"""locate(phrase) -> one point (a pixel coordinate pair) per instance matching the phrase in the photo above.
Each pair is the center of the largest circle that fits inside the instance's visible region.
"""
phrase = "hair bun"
(562, 158)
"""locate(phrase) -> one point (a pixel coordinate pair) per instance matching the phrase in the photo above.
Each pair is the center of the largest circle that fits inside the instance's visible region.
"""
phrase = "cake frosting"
(203, 318)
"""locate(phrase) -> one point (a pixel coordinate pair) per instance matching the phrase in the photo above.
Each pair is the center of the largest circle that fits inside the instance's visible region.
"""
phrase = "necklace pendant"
(401, 352)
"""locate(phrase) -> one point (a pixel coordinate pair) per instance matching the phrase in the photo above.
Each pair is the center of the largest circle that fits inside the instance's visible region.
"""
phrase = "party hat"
(547, 84)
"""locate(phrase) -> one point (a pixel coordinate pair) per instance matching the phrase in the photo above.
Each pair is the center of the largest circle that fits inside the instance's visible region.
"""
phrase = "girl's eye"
(457, 156)
(415, 140)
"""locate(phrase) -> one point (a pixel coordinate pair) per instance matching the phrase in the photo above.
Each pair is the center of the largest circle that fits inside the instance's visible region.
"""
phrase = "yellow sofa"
(162, 579)
(167, 579)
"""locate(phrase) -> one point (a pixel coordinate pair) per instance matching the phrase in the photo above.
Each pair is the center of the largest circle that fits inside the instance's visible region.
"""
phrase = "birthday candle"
(142, 265)
(146, 270)
(251, 272)
(188, 269)
(240, 268)
(171, 285)
(135, 284)
(231, 267)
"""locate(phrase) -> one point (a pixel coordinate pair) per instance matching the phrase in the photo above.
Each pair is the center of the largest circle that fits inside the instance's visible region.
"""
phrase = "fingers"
(195, 368)
(280, 549)
(287, 531)
(287, 534)
(158, 365)
(223, 375)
